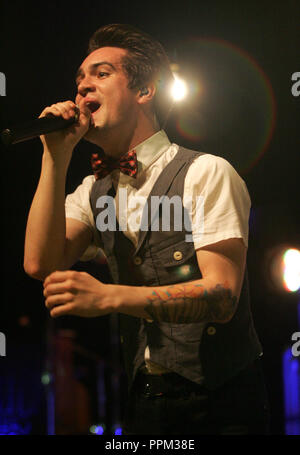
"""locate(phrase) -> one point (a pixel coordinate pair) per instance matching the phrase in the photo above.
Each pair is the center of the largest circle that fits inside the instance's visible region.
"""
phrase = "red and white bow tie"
(103, 165)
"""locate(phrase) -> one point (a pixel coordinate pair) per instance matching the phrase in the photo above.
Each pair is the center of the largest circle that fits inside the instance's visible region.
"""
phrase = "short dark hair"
(146, 61)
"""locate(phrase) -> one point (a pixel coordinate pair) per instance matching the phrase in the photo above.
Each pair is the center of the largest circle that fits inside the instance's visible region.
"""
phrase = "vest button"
(211, 330)
(177, 255)
(137, 260)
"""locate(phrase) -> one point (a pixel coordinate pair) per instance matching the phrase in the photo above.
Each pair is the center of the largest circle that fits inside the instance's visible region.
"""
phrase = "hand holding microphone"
(77, 119)
(57, 118)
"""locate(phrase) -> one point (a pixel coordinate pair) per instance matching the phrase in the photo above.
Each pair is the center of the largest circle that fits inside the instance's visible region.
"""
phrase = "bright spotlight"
(282, 268)
(179, 89)
(291, 274)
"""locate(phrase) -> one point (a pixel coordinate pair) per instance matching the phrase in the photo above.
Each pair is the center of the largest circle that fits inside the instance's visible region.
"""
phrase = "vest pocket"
(174, 255)
(176, 263)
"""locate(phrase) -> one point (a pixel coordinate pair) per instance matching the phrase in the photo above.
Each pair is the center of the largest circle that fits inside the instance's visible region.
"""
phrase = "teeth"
(93, 105)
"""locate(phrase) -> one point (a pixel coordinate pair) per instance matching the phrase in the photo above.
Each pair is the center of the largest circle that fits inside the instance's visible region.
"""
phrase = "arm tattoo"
(185, 303)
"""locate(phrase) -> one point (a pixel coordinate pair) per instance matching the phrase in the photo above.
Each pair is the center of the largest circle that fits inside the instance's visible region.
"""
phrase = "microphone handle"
(35, 128)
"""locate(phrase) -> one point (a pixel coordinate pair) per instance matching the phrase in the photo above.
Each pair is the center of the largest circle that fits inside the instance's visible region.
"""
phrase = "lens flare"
(97, 429)
(234, 113)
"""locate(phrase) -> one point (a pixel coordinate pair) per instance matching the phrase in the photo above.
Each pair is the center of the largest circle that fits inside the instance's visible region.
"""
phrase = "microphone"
(35, 128)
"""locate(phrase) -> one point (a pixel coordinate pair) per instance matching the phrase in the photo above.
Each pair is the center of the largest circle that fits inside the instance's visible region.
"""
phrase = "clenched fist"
(79, 294)
(64, 141)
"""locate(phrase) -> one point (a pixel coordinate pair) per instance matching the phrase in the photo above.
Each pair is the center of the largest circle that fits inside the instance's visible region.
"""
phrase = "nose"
(85, 86)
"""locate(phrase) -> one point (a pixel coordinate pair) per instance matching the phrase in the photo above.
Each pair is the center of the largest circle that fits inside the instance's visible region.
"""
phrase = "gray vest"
(208, 353)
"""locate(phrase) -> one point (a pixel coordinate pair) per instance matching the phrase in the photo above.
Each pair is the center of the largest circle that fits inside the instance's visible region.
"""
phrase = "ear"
(146, 94)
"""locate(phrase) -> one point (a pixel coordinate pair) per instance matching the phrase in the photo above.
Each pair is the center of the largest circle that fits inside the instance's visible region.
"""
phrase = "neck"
(116, 142)
(116, 147)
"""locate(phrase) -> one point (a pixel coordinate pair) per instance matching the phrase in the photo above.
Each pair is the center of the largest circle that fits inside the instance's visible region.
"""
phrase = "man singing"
(190, 349)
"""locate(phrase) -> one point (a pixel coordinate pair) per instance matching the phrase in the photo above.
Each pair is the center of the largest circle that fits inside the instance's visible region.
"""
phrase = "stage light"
(282, 268)
(15, 428)
(291, 390)
(46, 378)
(179, 89)
(291, 274)
(97, 429)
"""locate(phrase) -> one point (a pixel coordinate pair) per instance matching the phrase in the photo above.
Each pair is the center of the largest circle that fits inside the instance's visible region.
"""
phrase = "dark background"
(251, 123)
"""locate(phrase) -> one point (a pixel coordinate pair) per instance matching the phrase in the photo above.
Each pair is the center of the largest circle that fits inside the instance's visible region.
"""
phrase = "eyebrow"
(92, 67)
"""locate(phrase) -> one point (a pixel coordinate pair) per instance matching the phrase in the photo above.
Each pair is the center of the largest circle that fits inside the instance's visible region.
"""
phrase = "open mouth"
(93, 106)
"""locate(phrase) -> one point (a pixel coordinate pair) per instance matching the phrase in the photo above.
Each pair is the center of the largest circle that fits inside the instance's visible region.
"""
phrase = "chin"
(93, 135)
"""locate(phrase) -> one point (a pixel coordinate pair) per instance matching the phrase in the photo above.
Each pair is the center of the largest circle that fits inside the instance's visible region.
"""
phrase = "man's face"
(102, 85)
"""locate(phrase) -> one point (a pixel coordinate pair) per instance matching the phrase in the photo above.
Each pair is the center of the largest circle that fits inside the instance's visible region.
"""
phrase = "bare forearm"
(213, 298)
(196, 301)
(45, 232)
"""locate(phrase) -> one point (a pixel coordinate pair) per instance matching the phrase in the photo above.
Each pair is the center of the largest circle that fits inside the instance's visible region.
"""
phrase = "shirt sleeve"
(77, 206)
(221, 203)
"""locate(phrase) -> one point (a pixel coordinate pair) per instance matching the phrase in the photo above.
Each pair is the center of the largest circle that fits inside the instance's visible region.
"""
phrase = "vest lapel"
(105, 187)
(161, 187)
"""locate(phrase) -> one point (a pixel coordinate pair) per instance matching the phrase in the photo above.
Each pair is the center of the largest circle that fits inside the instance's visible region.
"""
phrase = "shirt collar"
(151, 149)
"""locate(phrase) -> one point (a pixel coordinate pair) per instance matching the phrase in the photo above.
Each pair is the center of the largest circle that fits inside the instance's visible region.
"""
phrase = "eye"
(103, 74)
